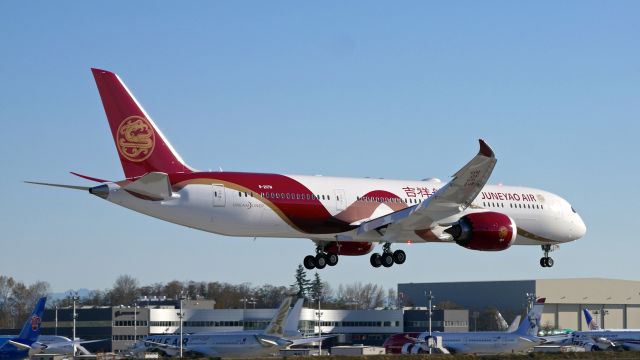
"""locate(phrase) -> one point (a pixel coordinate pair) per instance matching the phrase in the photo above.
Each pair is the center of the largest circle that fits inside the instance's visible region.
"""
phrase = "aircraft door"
(341, 201)
(217, 191)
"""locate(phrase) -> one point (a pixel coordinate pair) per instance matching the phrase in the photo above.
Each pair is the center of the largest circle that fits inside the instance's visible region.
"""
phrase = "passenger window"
(328, 197)
(277, 196)
(239, 194)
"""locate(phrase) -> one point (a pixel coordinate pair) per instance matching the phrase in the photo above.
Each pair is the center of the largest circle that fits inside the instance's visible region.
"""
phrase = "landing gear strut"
(320, 260)
(546, 260)
(387, 258)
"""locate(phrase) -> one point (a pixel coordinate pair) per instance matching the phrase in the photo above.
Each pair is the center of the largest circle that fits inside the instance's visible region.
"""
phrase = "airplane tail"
(141, 146)
(293, 319)
(591, 322)
(276, 325)
(501, 322)
(514, 324)
(31, 329)
(531, 323)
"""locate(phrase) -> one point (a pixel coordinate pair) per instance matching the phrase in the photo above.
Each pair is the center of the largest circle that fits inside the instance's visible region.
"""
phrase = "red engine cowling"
(349, 248)
(485, 231)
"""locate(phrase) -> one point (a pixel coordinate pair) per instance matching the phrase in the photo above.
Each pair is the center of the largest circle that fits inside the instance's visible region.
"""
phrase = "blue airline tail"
(590, 322)
(31, 329)
(531, 323)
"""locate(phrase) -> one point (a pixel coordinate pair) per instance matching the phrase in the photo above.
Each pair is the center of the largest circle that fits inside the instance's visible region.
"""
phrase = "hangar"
(614, 303)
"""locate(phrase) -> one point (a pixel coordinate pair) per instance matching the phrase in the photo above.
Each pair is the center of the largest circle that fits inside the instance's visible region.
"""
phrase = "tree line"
(17, 299)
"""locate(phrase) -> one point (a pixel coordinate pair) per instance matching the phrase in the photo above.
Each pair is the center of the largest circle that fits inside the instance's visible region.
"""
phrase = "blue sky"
(348, 88)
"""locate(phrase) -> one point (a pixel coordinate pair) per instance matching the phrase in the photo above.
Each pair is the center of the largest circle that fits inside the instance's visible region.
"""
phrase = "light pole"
(531, 299)
(74, 298)
(135, 322)
(181, 315)
(430, 297)
(319, 328)
(475, 316)
(56, 320)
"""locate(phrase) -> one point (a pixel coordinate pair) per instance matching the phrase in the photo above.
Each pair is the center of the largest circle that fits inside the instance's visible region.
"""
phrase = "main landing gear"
(546, 260)
(387, 258)
(321, 259)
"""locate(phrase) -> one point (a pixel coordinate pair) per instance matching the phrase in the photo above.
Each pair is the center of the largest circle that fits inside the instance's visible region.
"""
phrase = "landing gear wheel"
(546, 261)
(321, 261)
(386, 259)
(332, 259)
(309, 262)
(375, 260)
(399, 257)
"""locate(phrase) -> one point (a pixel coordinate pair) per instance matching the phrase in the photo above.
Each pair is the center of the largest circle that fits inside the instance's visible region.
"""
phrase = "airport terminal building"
(614, 303)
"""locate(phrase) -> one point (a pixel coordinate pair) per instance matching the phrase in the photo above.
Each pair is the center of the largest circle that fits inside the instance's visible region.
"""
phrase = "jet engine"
(484, 231)
(349, 248)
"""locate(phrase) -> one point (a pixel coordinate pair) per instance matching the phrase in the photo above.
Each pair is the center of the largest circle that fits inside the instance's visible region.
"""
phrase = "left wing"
(451, 199)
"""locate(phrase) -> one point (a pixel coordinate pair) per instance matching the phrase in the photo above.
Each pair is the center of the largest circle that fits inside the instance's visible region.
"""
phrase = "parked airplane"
(281, 332)
(605, 339)
(61, 345)
(481, 342)
(17, 347)
(342, 216)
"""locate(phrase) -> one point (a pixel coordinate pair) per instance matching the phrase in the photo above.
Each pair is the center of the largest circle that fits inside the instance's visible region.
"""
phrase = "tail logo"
(135, 138)
(35, 322)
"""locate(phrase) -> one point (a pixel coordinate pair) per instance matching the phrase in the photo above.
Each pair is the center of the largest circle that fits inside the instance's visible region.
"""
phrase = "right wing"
(451, 199)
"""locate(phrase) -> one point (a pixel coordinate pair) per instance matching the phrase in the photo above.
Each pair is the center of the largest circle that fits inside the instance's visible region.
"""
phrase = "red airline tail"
(141, 146)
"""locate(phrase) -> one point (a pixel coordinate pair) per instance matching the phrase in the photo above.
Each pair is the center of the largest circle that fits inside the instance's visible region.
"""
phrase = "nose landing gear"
(546, 260)
(387, 258)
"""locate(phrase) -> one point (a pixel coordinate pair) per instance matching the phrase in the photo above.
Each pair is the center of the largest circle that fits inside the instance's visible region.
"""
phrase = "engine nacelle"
(485, 231)
(349, 248)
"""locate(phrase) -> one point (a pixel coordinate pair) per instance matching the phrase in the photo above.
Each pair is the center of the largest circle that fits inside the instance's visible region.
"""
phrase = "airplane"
(61, 345)
(481, 342)
(596, 338)
(18, 347)
(342, 216)
(281, 332)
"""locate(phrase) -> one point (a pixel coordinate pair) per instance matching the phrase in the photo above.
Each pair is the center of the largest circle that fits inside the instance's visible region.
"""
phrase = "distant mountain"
(61, 295)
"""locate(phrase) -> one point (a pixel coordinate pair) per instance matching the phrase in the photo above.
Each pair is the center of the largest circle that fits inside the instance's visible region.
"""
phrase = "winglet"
(485, 149)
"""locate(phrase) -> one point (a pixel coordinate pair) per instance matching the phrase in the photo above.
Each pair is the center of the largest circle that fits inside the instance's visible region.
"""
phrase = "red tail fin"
(141, 146)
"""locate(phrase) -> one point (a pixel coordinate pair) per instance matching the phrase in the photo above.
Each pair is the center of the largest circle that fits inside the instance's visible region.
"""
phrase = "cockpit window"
(574, 210)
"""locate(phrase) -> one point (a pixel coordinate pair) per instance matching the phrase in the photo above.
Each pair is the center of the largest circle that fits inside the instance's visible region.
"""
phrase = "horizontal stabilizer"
(154, 185)
(74, 187)
(19, 345)
(89, 177)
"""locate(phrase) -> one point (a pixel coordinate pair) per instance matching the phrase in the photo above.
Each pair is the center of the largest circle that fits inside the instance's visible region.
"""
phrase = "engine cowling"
(484, 231)
(349, 248)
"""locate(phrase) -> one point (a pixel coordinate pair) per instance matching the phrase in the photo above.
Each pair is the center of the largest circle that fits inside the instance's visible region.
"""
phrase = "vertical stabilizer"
(531, 323)
(276, 326)
(141, 146)
(293, 320)
(591, 322)
(31, 329)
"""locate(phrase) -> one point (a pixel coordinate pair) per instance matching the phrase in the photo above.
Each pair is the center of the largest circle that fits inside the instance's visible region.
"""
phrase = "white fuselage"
(541, 217)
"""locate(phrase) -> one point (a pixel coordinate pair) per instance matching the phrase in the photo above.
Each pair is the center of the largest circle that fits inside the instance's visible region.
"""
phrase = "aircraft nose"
(579, 227)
